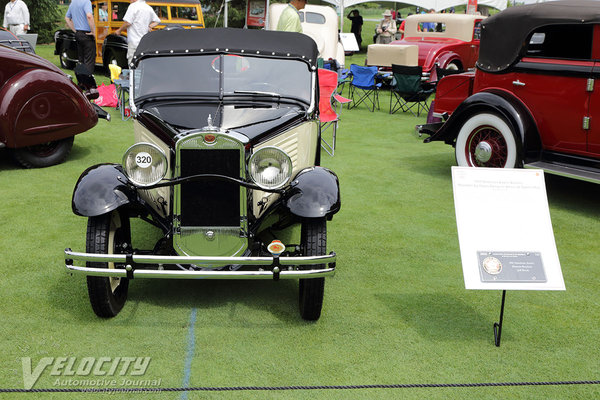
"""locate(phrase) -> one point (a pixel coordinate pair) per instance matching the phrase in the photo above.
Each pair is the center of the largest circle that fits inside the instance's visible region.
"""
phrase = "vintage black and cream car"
(225, 163)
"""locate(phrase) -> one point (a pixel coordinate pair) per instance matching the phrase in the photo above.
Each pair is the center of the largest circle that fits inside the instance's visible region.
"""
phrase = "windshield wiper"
(257, 92)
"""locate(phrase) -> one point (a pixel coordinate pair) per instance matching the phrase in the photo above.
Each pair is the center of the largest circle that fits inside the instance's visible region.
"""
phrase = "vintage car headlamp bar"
(145, 164)
(270, 167)
(177, 181)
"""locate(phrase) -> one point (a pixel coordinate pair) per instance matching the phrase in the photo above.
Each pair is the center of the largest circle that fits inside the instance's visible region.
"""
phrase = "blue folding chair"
(364, 85)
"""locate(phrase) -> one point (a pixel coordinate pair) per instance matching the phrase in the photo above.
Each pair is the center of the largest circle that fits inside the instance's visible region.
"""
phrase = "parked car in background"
(7, 38)
(225, 164)
(42, 109)
(533, 99)
(112, 49)
(450, 41)
(321, 24)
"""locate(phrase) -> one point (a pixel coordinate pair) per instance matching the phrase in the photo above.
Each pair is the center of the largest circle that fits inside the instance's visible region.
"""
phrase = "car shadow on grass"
(236, 299)
(440, 317)
(574, 195)
(280, 299)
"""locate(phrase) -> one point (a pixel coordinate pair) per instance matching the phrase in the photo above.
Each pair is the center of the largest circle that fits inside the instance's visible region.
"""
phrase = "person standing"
(289, 20)
(357, 23)
(16, 17)
(139, 19)
(386, 30)
(80, 19)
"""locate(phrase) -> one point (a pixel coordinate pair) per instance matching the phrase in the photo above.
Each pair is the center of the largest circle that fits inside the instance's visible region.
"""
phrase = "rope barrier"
(282, 388)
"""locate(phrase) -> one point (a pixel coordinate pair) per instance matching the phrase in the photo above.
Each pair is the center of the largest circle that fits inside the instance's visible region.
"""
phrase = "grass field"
(395, 313)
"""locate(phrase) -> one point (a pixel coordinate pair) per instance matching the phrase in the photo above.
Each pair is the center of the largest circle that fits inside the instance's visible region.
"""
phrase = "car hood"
(251, 120)
(429, 48)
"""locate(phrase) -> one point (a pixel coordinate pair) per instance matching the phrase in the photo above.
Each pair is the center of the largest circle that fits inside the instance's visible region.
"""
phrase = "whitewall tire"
(486, 140)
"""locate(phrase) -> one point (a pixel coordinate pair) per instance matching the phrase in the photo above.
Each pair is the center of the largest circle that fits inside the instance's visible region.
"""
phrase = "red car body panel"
(38, 102)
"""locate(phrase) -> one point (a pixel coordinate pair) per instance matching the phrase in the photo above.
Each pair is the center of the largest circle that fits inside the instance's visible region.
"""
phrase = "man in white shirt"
(16, 17)
(139, 19)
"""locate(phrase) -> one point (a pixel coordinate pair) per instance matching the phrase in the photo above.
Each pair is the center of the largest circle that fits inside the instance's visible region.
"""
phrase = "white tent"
(437, 5)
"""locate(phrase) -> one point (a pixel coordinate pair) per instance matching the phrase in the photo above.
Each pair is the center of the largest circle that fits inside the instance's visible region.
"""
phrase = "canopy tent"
(437, 5)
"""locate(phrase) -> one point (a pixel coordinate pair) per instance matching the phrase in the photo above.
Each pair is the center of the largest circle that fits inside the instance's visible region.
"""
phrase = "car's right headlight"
(270, 167)
(145, 164)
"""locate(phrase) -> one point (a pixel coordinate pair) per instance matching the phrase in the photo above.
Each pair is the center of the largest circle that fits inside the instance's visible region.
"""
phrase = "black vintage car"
(225, 163)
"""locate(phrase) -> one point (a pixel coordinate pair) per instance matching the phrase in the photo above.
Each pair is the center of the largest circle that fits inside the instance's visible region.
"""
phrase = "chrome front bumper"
(271, 267)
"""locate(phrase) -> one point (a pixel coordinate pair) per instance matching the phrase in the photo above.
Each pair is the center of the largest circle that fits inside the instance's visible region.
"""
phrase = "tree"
(44, 16)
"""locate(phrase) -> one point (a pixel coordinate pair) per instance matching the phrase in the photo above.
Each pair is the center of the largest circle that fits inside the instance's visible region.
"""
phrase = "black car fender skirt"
(314, 193)
(102, 189)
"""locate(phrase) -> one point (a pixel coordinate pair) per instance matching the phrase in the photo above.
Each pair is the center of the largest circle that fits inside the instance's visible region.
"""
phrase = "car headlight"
(145, 164)
(270, 168)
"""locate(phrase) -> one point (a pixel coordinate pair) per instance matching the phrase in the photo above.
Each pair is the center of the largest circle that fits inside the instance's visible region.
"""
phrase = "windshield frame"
(235, 95)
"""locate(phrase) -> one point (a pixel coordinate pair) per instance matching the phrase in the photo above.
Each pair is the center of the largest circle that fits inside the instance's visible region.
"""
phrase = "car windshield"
(231, 75)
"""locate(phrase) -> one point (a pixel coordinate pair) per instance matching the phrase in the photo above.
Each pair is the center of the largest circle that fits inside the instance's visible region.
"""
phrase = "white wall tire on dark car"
(107, 234)
(313, 243)
(486, 140)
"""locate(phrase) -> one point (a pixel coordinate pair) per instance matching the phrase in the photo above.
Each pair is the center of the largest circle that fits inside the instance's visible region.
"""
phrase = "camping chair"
(121, 81)
(364, 86)
(328, 115)
(408, 87)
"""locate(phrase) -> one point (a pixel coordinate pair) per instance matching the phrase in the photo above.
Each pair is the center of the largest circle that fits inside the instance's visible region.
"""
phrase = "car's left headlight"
(145, 164)
(270, 168)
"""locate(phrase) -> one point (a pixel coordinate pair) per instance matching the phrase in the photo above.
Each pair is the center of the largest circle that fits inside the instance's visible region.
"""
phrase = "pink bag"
(108, 96)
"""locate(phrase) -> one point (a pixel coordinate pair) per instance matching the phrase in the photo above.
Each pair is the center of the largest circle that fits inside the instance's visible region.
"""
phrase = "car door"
(593, 133)
(552, 81)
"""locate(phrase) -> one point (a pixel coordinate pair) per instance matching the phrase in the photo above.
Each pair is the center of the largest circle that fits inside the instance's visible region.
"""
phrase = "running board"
(566, 171)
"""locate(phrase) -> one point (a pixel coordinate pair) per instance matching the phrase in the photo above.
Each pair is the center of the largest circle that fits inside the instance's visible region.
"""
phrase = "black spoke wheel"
(45, 154)
(107, 234)
(313, 243)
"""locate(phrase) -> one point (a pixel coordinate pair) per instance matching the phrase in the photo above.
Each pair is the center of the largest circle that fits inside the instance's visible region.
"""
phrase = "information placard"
(349, 42)
(504, 229)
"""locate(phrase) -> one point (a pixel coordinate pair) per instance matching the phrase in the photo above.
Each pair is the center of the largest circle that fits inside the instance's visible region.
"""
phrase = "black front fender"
(102, 189)
(497, 102)
(314, 193)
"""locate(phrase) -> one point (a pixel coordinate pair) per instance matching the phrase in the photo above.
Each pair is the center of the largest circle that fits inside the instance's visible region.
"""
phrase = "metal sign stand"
(498, 325)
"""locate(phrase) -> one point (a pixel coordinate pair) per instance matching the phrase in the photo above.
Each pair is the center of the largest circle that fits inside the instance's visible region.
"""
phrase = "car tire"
(487, 140)
(107, 234)
(65, 62)
(45, 154)
(313, 243)
(454, 66)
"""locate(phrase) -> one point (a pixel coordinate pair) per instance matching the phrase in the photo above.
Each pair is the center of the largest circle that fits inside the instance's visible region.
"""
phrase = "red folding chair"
(329, 101)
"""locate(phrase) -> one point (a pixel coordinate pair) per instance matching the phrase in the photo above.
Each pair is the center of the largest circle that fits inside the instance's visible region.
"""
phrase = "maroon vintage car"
(533, 99)
(449, 40)
(41, 109)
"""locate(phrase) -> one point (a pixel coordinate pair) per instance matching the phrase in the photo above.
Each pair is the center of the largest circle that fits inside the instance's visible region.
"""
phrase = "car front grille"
(209, 202)
(210, 214)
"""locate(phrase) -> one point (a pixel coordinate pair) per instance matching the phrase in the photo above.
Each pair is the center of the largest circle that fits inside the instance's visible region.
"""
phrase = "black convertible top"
(227, 40)
(504, 35)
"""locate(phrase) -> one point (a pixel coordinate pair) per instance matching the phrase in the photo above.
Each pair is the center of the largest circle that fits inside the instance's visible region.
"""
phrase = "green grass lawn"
(395, 313)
